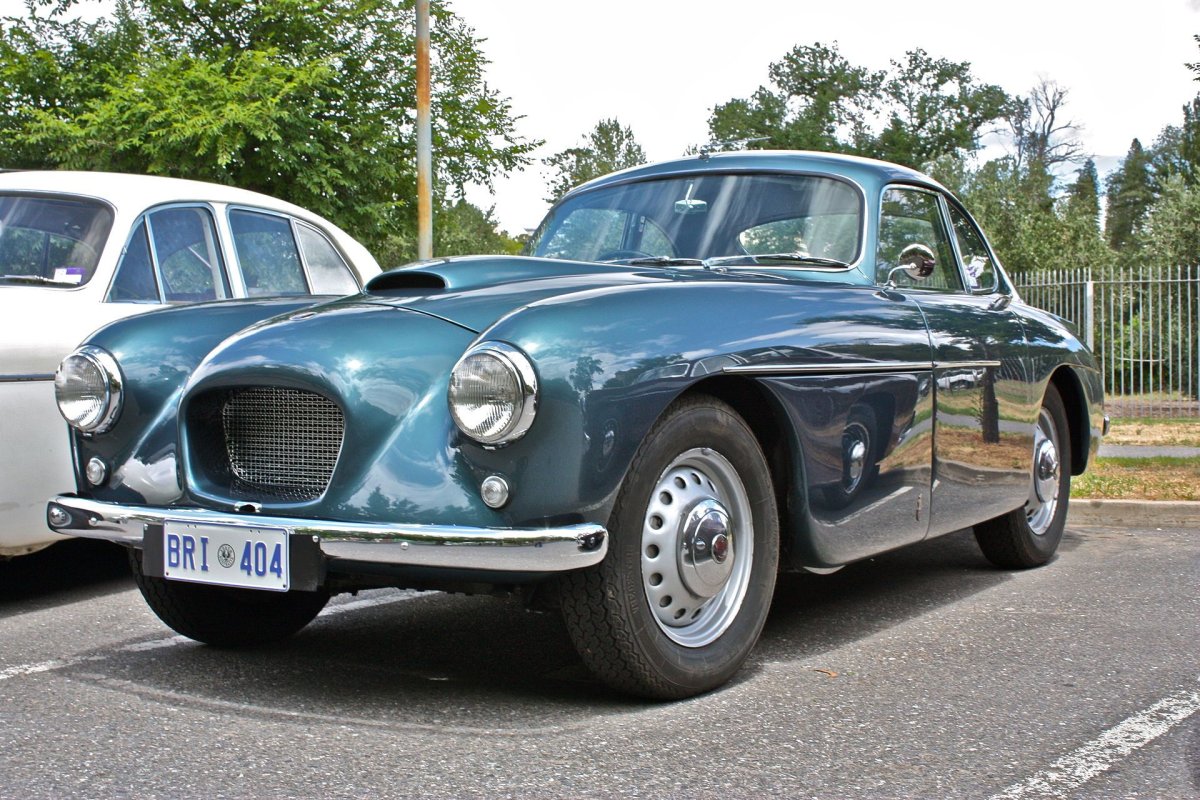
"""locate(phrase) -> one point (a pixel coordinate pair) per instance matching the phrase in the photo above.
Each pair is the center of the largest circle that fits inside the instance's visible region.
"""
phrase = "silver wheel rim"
(697, 547)
(1046, 477)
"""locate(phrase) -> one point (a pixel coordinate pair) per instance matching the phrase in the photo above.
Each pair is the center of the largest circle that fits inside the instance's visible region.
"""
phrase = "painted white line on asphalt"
(1075, 769)
(170, 641)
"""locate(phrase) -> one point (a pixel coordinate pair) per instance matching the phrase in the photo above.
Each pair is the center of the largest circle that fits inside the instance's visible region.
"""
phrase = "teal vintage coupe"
(702, 373)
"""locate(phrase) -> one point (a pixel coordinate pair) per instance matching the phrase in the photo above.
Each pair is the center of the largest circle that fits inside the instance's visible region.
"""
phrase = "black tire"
(1029, 536)
(698, 475)
(863, 427)
(223, 616)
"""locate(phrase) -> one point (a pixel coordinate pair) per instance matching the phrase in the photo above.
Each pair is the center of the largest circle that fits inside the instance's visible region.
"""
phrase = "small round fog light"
(96, 471)
(494, 491)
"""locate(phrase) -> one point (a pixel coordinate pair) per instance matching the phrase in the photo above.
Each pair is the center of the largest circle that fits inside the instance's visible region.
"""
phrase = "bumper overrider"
(515, 550)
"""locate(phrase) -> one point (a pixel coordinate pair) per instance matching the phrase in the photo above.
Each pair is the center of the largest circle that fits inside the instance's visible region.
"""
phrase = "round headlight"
(88, 389)
(493, 393)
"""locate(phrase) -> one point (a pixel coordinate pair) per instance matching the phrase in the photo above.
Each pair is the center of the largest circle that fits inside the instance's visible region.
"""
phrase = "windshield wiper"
(38, 279)
(780, 258)
(663, 261)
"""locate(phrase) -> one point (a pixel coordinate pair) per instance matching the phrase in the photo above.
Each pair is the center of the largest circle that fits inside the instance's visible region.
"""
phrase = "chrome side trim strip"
(856, 368)
(966, 364)
(831, 369)
(450, 546)
(27, 377)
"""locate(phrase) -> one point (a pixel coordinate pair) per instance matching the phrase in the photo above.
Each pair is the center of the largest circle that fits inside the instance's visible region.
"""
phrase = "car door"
(981, 439)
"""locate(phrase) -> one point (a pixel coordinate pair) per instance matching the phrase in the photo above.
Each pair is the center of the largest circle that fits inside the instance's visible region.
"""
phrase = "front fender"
(157, 353)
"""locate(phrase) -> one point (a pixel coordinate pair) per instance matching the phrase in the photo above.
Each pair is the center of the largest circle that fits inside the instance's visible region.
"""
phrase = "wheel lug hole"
(655, 580)
(652, 551)
(656, 522)
(666, 601)
(679, 614)
(665, 498)
(680, 483)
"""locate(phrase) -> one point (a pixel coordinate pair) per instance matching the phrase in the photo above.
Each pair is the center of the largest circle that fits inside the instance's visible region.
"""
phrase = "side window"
(267, 254)
(184, 246)
(976, 261)
(326, 269)
(908, 217)
(134, 282)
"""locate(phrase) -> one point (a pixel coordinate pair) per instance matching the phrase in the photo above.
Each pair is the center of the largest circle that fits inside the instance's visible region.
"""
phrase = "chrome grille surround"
(282, 443)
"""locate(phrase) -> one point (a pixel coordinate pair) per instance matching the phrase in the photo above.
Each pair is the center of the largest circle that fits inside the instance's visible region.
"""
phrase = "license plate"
(226, 555)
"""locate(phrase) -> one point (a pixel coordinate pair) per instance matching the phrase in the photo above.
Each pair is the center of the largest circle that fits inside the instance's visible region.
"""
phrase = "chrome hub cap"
(704, 556)
(697, 547)
(1047, 476)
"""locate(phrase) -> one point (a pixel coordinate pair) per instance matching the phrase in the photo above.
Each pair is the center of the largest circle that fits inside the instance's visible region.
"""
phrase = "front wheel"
(1029, 536)
(680, 600)
(223, 616)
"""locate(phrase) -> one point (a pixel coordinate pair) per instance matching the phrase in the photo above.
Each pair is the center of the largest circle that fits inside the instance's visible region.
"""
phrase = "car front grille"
(278, 443)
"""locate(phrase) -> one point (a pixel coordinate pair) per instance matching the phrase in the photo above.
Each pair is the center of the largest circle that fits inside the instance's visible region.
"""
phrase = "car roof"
(122, 189)
(867, 171)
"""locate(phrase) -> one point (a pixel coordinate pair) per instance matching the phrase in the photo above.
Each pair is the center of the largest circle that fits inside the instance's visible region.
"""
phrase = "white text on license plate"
(226, 555)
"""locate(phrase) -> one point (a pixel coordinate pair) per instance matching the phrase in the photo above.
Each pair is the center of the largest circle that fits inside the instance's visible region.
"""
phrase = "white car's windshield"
(50, 240)
(805, 221)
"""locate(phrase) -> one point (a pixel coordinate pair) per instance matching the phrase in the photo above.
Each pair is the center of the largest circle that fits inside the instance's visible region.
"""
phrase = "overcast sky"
(660, 66)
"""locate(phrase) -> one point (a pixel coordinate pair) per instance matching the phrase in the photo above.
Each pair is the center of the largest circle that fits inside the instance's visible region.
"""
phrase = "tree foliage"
(607, 148)
(309, 100)
(1129, 196)
(917, 111)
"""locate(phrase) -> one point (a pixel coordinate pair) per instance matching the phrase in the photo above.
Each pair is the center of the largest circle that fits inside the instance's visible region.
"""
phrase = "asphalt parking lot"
(922, 673)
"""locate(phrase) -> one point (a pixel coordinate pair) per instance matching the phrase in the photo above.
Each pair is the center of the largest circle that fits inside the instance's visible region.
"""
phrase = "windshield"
(805, 220)
(51, 240)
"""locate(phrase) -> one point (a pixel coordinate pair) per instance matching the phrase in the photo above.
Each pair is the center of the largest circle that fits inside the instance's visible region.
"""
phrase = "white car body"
(41, 324)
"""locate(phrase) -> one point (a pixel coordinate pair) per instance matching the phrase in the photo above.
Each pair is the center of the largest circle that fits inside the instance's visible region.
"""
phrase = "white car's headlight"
(88, 389)
(493, 393)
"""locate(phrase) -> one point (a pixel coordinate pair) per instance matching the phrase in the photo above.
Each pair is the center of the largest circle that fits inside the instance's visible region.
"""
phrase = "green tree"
(308, 100)
(1083, 198)
(1130, 194)
(918, 111)
(1170, 234)
(607, 148)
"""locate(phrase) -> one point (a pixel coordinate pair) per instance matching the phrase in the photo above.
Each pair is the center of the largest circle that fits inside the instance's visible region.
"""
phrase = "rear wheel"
(682, 596)
(1029, 536)
(223, 616)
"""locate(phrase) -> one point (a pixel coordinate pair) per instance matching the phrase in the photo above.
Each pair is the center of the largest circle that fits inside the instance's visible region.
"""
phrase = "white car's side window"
(172, 252)
(134, 281)
(267, 253)
(326, 268)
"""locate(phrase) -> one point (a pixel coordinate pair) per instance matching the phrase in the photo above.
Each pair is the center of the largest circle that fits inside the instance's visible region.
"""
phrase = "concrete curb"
(1134, 513)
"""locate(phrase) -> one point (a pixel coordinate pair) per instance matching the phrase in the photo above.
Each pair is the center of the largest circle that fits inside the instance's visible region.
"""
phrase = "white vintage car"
(81, 249)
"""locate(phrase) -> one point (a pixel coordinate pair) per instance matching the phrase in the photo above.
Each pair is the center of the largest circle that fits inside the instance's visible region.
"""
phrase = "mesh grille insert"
(281, 442)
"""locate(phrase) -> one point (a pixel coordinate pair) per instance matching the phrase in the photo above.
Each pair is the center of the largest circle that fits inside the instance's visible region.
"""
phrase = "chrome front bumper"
(443, 546)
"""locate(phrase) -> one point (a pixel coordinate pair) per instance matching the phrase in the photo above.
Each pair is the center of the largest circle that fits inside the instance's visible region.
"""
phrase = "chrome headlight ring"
(89, 389)
(493, 393)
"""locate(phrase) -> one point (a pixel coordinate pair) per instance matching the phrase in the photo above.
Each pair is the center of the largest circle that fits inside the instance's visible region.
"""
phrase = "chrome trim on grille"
(556, 549)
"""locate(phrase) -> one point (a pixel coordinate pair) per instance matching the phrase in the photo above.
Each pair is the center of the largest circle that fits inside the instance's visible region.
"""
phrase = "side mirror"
(916, 261)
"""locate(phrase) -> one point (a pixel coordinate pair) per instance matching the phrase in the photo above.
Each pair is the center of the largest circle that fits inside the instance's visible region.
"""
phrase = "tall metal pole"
(424, 138)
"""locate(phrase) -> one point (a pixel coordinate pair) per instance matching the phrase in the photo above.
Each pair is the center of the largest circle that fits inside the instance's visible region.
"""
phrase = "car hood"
(474, 292)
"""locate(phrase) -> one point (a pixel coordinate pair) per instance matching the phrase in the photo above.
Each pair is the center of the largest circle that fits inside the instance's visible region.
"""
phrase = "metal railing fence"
(1141, 324)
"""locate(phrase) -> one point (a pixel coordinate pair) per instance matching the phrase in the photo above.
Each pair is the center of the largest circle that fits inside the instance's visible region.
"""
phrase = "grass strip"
(1160, 478)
